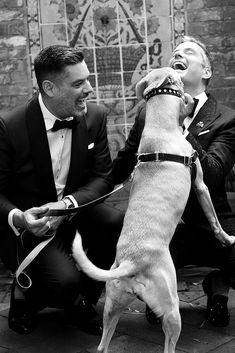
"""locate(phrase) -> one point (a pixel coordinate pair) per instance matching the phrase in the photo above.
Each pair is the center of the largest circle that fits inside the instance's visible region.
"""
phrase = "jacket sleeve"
(126, 159)
(218, 158)
(6, 157)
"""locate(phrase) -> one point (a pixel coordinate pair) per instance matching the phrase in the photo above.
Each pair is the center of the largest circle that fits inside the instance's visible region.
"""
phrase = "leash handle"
(22, 279)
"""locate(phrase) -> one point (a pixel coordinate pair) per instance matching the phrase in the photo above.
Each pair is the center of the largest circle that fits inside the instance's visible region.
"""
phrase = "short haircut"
(205, 51)
(52, 60)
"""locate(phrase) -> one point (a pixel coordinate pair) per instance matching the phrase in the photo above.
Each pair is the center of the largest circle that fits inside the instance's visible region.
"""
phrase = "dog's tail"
(124, 270)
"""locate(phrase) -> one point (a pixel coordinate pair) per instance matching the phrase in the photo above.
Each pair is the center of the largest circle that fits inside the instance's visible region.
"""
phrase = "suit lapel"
(206, 115)
(40, 151)
(78, 155)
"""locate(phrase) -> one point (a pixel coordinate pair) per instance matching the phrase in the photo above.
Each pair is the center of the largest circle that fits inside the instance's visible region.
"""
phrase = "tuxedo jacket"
(26, 176)
(212, 134)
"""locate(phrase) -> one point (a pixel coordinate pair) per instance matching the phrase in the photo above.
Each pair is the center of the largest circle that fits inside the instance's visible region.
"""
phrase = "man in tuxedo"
(211, 131)
(54, 154)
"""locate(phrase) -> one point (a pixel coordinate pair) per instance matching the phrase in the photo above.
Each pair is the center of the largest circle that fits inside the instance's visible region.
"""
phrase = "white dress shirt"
(202, 98)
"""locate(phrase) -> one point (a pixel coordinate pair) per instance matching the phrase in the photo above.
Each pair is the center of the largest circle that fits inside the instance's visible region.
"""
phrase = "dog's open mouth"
(178, 65)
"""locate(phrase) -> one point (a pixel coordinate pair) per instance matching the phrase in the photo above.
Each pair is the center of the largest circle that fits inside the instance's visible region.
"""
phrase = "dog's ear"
(140, 87)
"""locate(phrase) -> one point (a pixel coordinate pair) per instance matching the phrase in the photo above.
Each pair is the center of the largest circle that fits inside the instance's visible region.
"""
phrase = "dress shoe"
(84, 316)
(20, 317)
(217, 312)
(151, 316)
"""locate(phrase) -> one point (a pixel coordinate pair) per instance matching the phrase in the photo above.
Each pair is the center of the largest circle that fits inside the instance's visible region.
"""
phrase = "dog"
(143, 267)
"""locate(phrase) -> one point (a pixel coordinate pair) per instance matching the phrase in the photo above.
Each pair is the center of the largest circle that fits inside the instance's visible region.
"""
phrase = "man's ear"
(207, 72)
(49, 88)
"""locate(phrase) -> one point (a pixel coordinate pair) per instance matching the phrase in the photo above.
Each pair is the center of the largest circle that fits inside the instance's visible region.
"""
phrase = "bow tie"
(64, 124)
(194, 107)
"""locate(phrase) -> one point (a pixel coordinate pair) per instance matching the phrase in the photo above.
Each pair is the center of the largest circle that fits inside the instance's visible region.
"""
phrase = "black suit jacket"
(26, 177)
(212, 134)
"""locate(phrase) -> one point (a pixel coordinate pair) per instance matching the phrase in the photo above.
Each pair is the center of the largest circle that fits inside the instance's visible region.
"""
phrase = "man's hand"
(55, 221)
(187, 104)
(34, 220)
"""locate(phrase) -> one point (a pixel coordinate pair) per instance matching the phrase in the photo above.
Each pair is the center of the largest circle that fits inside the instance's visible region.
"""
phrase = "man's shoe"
(151, 317)
(20, 319)
(84, 316)
(217, 312)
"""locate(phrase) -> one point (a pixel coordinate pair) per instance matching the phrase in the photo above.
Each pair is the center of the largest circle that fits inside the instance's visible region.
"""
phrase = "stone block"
(195, 5)
(229, 40)
(198, 29)
(4, 78)
(217, 3)
(215, 28)
(14, 90)
(228, 27)
(229, 13)
(205, 15)
(18, 77)
(14, 3)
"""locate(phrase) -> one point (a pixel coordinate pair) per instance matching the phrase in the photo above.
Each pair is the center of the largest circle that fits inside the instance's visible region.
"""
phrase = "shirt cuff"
(185, 133)
(10, 221)
(73, 200)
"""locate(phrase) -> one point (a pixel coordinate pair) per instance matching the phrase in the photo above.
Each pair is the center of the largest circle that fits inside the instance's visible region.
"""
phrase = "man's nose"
(178, 55)
(87, 87)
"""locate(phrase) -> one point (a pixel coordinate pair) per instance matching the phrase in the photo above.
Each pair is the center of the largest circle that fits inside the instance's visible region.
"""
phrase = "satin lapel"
(78, 155)
(206, 115)
(40, 151)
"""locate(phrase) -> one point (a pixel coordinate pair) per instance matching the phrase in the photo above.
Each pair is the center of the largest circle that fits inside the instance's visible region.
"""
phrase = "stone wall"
(213, 21)
(15, 84)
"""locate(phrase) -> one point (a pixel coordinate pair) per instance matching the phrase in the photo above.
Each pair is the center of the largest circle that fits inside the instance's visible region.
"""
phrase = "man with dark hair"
(211, 131)
(54, 155)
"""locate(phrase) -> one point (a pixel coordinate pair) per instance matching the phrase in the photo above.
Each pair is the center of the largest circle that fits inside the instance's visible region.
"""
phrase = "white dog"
(143, 266)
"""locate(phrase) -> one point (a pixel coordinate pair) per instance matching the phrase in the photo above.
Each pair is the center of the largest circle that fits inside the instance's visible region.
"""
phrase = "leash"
(74, 210)
(22, 278)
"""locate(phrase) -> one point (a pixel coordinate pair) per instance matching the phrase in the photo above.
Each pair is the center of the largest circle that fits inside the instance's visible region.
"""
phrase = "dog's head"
(164, 77)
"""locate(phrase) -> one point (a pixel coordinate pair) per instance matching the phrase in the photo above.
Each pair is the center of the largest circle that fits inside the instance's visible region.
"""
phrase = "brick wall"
(213, 21)
(15, 86)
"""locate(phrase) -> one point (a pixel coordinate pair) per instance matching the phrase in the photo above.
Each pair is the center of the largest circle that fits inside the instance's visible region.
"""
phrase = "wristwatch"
(68, 203)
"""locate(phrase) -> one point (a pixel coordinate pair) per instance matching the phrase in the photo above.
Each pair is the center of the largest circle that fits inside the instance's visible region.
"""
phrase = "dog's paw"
(225, 239)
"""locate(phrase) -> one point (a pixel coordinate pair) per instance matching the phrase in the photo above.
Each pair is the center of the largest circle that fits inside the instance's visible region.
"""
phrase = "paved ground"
(133, 334)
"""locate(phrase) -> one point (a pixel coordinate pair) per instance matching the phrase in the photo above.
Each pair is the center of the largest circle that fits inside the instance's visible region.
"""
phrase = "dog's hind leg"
(160, 294)
(117, 299)
(171, 325)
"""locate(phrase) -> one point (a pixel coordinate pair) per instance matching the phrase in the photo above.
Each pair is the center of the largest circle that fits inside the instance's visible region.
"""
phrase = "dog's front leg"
(205, 201)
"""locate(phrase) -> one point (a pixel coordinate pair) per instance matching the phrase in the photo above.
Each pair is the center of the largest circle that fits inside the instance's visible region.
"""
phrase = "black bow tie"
(64, 124)
(194, 107)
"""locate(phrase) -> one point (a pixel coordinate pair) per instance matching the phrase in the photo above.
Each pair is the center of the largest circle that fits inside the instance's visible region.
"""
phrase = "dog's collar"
(159, 157)
(157, 91)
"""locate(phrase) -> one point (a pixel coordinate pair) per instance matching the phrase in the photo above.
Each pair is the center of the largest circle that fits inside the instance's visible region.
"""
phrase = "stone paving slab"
(124, 344)
(133, 333)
